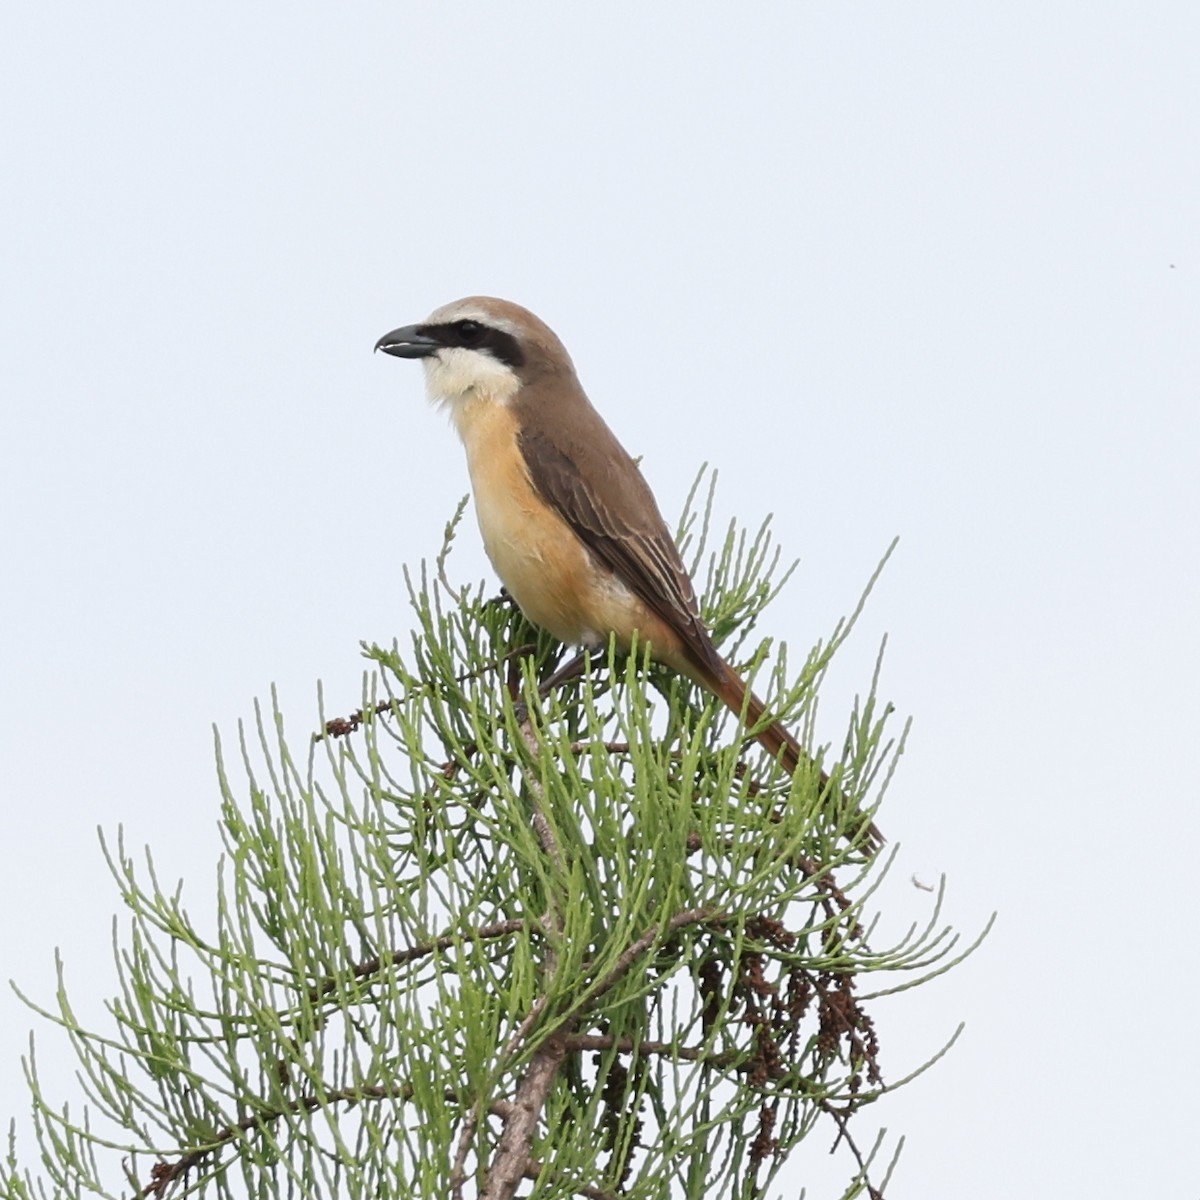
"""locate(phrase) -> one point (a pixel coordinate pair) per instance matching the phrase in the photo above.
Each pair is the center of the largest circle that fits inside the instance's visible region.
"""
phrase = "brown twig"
(630, 955)
(338, 727)
(372, 966)
(534, 1171)
(458, 1173)
(581, 1043)
(611, 747)
(844, 1135)
(163, 1174)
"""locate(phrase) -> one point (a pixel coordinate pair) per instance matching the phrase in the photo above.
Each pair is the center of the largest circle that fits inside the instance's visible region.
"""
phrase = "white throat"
(455, 376)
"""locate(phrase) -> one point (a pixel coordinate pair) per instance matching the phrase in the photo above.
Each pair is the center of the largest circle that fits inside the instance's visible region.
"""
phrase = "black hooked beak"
(408, 342)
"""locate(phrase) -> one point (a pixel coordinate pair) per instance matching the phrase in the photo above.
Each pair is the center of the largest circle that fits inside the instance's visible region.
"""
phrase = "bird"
(567, 518)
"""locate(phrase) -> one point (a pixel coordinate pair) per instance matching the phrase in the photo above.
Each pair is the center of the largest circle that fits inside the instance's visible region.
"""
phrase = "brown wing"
(580, 468)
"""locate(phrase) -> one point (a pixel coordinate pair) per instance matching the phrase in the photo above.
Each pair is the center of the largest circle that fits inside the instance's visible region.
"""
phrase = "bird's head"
(479, 348)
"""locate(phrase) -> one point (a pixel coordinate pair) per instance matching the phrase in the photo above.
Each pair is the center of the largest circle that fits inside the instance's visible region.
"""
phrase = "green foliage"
(471, 937)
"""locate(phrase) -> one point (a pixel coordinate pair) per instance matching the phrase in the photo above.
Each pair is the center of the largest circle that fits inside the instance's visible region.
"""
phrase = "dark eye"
(470, 333)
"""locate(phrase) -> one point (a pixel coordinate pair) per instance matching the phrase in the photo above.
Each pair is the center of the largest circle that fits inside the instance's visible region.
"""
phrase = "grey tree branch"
(514, 1150)
(513, 1158)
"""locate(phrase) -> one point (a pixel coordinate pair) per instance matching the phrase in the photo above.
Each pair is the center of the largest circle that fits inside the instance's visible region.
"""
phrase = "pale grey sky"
(929, 269)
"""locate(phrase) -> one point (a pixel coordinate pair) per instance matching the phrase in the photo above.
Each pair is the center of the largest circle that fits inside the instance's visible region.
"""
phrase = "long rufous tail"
(774, 738)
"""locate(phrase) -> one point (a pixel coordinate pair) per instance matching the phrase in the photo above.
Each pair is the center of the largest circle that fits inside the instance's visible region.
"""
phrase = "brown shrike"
(567, 519)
